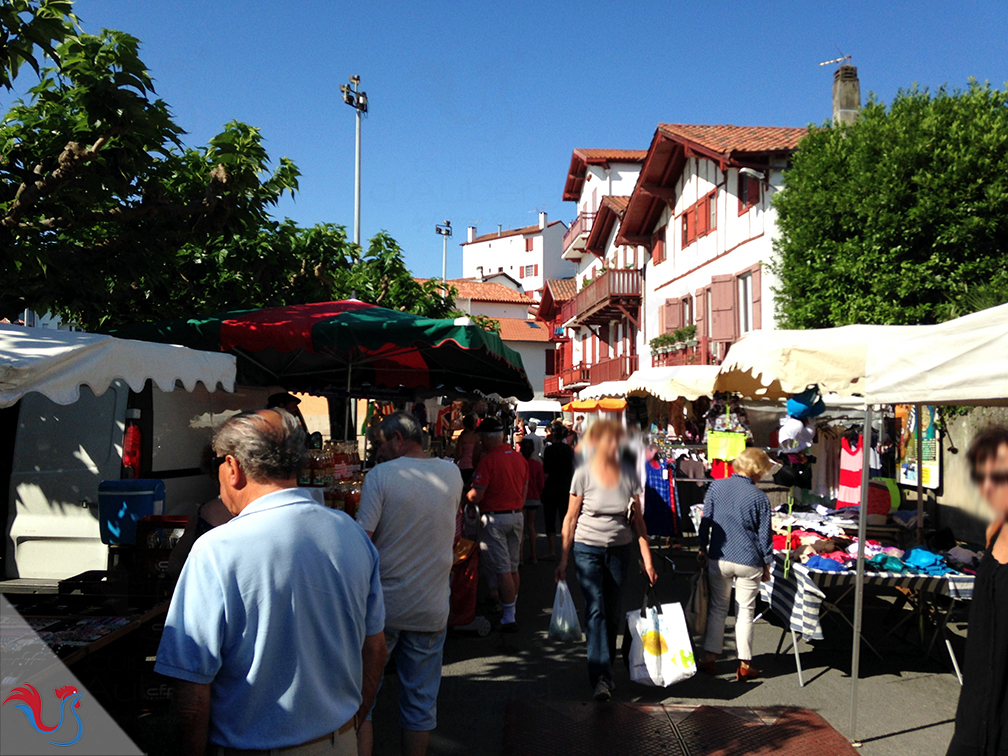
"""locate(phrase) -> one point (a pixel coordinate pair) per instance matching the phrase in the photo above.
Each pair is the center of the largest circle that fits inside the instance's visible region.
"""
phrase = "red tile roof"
(724, 138)
(514, 329)
(617, 202)
(523, 231)
(581, 158)
(562, 289)
(485, 291)
(611, 210)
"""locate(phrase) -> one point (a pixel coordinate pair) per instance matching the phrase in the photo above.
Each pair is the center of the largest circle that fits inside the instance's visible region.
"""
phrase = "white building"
(600, 334)
(701, 205)
(530, 254)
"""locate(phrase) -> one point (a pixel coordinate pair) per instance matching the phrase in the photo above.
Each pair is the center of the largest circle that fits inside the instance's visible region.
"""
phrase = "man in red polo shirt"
(499, 486)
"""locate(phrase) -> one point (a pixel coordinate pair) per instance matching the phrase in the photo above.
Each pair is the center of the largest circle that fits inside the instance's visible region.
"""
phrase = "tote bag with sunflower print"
(661, 651)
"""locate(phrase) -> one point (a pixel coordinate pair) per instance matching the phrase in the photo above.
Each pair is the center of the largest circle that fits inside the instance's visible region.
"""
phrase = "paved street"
(907, 702)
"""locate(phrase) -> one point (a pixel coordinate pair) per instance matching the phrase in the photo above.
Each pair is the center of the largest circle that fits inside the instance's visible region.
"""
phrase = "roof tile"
(729, 138)
(523, 231)
(485, 291)
(514, 329)
(563, 288)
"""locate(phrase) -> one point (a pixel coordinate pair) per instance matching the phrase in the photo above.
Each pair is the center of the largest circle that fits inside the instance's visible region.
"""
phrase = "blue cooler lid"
(121, 504)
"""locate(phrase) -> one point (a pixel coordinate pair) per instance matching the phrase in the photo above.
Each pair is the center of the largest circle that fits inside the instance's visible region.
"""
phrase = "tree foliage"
(110, 218)
(30, 29)
(900, 218)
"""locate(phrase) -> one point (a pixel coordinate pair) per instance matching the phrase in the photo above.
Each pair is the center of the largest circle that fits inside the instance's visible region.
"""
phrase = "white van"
(545, 411)
(58, 454)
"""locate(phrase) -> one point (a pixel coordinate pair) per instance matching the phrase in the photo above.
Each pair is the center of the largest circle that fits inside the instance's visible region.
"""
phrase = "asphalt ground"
(906, 701)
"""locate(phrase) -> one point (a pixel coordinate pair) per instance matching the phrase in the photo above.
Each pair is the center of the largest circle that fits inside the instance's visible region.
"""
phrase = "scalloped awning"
(57, 363)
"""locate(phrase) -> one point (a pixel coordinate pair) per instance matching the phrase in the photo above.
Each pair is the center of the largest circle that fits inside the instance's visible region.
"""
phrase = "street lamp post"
(356, 99)
(444, 230)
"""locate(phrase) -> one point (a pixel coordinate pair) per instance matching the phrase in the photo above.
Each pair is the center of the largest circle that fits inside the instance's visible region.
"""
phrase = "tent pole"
(859, 585)
(920, 473)
(346, 416)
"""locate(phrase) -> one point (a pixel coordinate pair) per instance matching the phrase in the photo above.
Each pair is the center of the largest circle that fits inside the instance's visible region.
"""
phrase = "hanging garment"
(851, 463)
(721, 469)
(725, 445)
(826, 470)
(660, 516)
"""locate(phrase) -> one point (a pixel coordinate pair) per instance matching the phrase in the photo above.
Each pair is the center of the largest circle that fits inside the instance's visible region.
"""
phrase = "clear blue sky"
(475, 107)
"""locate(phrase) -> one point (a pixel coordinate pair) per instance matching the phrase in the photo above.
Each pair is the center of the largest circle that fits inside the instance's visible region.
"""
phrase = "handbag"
(696, 607)
(661, 651)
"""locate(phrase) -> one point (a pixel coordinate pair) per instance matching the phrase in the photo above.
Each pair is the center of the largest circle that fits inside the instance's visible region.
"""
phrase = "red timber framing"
(612, 295)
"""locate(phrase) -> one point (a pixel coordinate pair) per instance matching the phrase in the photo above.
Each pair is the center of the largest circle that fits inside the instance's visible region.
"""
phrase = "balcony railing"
(608, 295)
(569, 310)
(577, 235)
(552, 387)
(576, 376)
(614, 369)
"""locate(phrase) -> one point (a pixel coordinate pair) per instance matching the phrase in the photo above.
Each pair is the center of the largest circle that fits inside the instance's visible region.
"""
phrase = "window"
(658, 247)
(711, 211)
(528, 244)
(745, 303)
(748, 193)
(688, 228)
(687, 311)
(529, 271)
(700, 219)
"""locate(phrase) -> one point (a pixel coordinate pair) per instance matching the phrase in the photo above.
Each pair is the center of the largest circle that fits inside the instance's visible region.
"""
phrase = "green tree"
(110, 219)
(28, 29)
(901, 217)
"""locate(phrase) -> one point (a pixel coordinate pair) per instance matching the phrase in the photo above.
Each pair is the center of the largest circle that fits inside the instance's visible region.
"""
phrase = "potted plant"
(689, 336)
(662, 344)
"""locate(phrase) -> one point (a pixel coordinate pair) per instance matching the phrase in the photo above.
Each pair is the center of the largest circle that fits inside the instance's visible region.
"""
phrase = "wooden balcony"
(614, 369)
(575, 377)
(577, 236)
(569, 310)
(611, 296)
(553, 389)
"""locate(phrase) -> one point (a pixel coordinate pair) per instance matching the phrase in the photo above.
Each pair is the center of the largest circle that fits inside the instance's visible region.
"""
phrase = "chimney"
(846, 96)
(471, 236)
(542, 221)
(499, 229)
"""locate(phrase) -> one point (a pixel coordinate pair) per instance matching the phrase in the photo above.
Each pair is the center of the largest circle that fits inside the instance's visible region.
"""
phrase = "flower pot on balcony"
(692, 343)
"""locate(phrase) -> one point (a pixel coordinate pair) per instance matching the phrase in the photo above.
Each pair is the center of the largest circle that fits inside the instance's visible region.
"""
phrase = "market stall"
(962, 361)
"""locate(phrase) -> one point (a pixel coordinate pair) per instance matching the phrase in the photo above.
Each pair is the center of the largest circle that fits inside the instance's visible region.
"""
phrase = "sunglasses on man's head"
(997, 477)
(216, 462)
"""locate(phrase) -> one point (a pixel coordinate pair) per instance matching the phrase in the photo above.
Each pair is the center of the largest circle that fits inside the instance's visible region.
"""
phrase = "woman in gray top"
(604, 517)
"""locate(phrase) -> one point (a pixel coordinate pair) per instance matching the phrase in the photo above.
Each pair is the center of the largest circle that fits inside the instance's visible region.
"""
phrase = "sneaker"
(509, 627)
(612, 686)
(602, 691)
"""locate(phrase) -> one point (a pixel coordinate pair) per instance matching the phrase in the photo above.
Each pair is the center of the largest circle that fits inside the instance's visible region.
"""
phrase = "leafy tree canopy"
(111, 219)
(899, 218)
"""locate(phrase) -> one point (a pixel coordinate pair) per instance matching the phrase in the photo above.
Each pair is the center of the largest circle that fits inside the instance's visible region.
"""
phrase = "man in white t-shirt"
(408, 507)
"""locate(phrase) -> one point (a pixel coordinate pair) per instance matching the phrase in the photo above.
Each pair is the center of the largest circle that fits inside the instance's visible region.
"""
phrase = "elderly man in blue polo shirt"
(275, 630)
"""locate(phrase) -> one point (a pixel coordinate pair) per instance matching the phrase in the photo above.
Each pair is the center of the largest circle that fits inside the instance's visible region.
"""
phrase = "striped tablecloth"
(797, 598)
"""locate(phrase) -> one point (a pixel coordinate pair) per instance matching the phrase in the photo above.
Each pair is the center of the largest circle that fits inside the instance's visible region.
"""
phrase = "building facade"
(530, 255)
(597, 327)
(701, 208)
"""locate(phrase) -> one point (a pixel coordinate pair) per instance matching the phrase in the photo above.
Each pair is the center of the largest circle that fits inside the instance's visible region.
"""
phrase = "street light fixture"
(444, 230)
(356, 99)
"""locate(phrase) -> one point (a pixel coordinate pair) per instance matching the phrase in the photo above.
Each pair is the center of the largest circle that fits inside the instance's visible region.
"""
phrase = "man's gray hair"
(403, 423)
(265, 451)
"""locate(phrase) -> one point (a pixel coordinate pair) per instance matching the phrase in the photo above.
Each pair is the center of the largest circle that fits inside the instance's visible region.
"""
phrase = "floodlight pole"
(444, 230)
(356, 99)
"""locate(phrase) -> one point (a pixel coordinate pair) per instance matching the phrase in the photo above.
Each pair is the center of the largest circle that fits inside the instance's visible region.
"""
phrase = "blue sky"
(475, 107)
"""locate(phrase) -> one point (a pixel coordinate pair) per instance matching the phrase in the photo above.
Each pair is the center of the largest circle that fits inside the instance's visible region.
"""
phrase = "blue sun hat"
(807, 404)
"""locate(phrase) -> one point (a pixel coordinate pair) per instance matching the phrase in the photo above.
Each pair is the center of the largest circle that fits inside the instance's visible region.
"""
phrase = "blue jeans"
(600, 573)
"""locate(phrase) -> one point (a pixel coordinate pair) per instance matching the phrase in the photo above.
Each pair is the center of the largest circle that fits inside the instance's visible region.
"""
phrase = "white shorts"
(500, 540)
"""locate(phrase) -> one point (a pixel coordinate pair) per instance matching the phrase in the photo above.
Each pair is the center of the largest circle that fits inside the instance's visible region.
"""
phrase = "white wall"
(617, 180)
(494, 309)
(533, 354)
(739, 242)
(507, 254)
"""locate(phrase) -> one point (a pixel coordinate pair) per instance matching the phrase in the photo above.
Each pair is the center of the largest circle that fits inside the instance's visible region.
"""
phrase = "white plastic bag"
(661, 651)
(564, 623)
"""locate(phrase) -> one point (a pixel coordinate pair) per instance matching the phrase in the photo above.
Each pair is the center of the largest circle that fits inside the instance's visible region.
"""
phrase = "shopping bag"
(661, 652)
(564, 623)
(696, 607)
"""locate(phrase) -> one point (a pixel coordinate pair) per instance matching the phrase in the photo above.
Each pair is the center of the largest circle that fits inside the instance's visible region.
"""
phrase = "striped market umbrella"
(350, 346)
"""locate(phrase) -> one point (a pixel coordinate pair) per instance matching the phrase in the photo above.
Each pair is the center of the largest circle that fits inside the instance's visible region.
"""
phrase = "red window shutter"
(673, 316)
(700, 313)
(753, 192)
(661, 319)
(528, 244)
(535, 269)
(757, 297)
(703, 214)
(723, 308)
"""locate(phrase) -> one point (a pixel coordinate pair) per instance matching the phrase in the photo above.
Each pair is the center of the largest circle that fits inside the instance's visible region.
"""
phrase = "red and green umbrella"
(339, 345)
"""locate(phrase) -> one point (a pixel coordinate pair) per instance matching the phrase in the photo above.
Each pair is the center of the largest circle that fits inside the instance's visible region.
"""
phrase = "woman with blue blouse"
(736, 543)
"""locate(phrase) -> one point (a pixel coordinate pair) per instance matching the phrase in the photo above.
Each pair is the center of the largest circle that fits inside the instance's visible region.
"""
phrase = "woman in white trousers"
(736, 544)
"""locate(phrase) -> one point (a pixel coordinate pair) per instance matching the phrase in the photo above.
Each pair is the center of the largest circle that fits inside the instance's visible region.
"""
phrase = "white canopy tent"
(57, 363)
(665, 383)
(962, 361)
